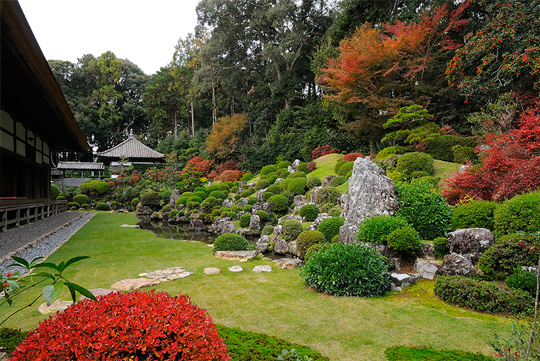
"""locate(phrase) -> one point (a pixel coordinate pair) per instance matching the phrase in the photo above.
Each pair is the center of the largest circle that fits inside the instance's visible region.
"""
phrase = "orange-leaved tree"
(225, 137)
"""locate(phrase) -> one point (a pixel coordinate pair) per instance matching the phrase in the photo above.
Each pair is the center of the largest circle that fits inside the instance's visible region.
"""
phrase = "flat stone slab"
(167, 274)
(211, 271)
(134, 284)
(56, 306)
(241, 256)
(288, 263)
(263, 268)
(130, 226)
(98, 292)
(427, 268)
(235, 269)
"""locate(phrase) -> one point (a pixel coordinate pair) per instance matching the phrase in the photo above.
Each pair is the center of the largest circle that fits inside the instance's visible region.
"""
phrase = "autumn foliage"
(230, 175)
(126, 326)
(224, 140)
(201, 165)
(510, 164)
(322, 150)
(351, 157)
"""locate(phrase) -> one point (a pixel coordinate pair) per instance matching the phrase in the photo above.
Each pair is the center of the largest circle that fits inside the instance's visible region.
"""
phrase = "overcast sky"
(142, 31)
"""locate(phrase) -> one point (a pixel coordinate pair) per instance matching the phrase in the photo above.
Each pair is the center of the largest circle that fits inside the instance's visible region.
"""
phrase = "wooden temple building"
(131, 150)
(35, 120)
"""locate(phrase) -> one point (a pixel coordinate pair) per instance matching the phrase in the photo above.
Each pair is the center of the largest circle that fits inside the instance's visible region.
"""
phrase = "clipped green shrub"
(424, 208)
(274, 188)
(327, 195)
(261, 184)
(441, 146)
(230, 242)
(297, 186)
(347, 270)
(508, 253)
(377, 228)
(252, 200)
(345, 169)
(484, 296)
(440, 246)
(298, 174)
(266, 196)
(234, 189)
(61, 198)
(55, 191)
(464, 154)
(313, 182)
(284, 164)
(475, 214)
(209, 203)
(267, 169)
(396, 176)
(201, 194)
(405, 242)
(217, 194)
(415, 162)
(272, 177)
(330, 227)
(338, 165)
(81, 199)
(418, 174)
(384, 153)
(278, 203)
(309, 212)
(430, 180)
(523, 280)
(173, 213)
(337, 181)
(267, 230)
(247, 177)
(150, 199)
(291, 229)
(182, 200)
(134, 202)
(225, 186)
(247, 192)
(263, 215)
(306, 239)
(70, 205)
(10, 338)
(518, 214)
(244, 220)
(314, 249)
(303, 167)
(102, 206)
(194, 199)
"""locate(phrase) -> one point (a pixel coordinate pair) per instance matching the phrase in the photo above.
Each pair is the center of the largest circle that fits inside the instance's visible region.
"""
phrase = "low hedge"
(424, 353)
(484, 296)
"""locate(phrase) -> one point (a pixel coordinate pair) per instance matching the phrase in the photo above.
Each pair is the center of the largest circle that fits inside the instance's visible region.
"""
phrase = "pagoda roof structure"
(133, 150)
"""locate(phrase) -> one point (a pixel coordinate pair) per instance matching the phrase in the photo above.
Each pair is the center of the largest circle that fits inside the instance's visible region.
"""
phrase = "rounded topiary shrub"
(244, 220)
(81, 199)
(347, 270)
(279, 203)
(309, 212)
(415, 162)
(313, 182)
(306, 239)
(377, 228)
(405, 242)
(267, 195)
(267, 230)
(440, 247)
(230, 242)
(345, 169)
(284, 164)
(121, 326)
(274, 188)
(441, 147)
(327, 195)
(508, 253)
(337, 181)
(314, 249)
(424, 208)
(291, 229)
(102, 206)
(272, 177)
(298, 174)
(182, 200)
(475, 214)
(267, 169)
(151, 199)
(217, 194)
(263, 183)
(297, 186)
(464, 154)
(518, 214)
(70, 205)
(247, 177)
(330, 227)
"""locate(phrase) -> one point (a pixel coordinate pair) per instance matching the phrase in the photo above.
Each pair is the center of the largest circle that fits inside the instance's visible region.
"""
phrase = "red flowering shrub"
(201, 165)
(311, 166)
(510, 164)
(322, 150)
(122, 326)
(230, 175)
(351, 157)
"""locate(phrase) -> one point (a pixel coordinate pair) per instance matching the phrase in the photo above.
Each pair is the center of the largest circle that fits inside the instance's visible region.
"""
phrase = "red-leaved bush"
(228, 165)
(322, 150)
(311, 166)
(230, 175)
(351, 157)
(126, 326)
(201, 165)
(510, 164)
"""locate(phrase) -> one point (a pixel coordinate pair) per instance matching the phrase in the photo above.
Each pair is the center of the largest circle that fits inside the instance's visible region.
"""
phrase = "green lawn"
(444, 170)
(276, 303)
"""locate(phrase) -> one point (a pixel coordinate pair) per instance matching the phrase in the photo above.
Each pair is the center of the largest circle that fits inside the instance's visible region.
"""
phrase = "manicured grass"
(325, 165)
(444, 170)
(277, 303)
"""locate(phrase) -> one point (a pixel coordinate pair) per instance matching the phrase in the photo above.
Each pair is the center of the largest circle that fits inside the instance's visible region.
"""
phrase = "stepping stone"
(241, 256)
(288, 263)
(130, 226)
(211, 271)
(56, 306)
(263, 268)
(98, 292)
(134, 284)
(235, 269)
(168, 274)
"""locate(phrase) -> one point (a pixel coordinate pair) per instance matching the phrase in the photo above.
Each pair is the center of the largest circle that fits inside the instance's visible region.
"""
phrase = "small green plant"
(297, 186)
(292, 355)
(230, 242)
(279, 203)
(267, 230)
(81, 199)
(244, 220)
(330, 227)
(291, 229)
(306, 239)
(327, 195)
(377, 228)
(313, 182)
(522, 280)
(474, 214)
(440, 245)
(309, 212)
(405, 242)
(102, 206)
(518, 214)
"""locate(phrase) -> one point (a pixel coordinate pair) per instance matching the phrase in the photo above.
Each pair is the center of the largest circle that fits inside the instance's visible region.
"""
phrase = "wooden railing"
(19, 214)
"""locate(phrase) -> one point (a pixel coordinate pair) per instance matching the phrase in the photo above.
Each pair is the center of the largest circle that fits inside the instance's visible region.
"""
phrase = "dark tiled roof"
(131, 148)
(80, 166)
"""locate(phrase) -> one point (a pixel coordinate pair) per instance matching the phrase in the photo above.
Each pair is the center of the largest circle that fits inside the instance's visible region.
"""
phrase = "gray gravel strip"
(48, 242)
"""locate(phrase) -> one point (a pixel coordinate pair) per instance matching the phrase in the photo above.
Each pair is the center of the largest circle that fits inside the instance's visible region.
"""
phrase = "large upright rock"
(471, 241)
(371, 193)
(174, 197)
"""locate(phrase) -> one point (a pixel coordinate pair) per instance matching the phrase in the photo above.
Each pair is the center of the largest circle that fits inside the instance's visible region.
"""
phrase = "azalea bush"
(126, 326)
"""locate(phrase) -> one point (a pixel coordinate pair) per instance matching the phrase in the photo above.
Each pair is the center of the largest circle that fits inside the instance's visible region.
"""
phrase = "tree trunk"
(192, 119)
(214, 107)
(175, 126)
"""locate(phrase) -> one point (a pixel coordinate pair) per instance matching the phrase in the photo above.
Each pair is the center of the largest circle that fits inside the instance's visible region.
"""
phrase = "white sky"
(142, 31)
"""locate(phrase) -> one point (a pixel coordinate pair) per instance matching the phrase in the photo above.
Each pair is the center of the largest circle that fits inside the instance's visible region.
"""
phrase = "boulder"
(134, 284)
(371, 193)
(261, 206)
(288, 263)
(427, 268)
(263, 244)
(320, 217)
(472, 241)
(142, 211)
(400, 280)
(167, 274)
(222, 225)
(313, 194)
(278, 230)
(300, 201)
(174, 197)
(243, 202)
(227, 203)
(259, 194)
(291, 216)
(294, 166)
(262, 268)
(428, 250)
(281, 246)
(56, 306)
(255, 223)
(342, 201)
(98, 292)
(241, 256)
(235, 269)
(456, 264)
(195, 224)
(211, 271)
(292, 247)
(327, 180)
